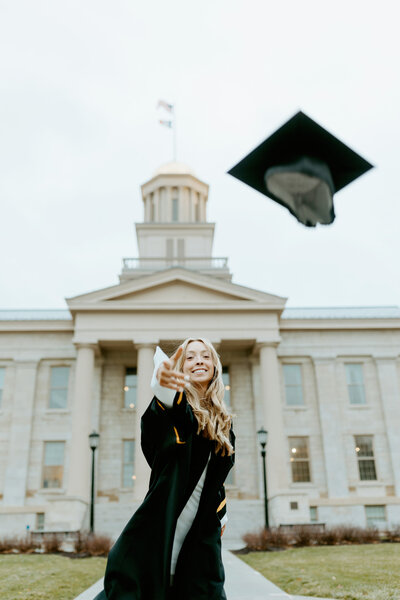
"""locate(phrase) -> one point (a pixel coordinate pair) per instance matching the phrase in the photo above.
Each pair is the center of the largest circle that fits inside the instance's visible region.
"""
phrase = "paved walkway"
(242, 583)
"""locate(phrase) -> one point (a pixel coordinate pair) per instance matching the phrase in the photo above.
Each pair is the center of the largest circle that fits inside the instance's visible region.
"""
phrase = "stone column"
(147, 207)
(145, 366)
(390, 399)
(168, 205)
(331, 431)
(203, 216)
(156, 202)
(182, 214)
(20, 433)
(191, 205)
(79, 453)
(277, 447)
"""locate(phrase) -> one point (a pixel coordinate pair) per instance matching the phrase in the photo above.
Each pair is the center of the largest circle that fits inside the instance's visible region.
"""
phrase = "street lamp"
(301, 166)
(93, 442)
(262, 438)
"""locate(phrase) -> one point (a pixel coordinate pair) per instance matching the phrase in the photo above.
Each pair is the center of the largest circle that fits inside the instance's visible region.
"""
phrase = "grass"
(364, 572)
(47, 577)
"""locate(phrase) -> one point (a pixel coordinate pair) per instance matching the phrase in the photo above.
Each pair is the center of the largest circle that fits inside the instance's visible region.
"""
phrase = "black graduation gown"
(138, 566)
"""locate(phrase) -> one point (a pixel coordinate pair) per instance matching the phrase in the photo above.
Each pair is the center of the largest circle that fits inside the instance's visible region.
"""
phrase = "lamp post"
(93, 442)
(262, 435)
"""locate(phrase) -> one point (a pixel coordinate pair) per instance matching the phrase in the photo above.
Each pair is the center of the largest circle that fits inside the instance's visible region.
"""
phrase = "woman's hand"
(167, 375)
(222, 530)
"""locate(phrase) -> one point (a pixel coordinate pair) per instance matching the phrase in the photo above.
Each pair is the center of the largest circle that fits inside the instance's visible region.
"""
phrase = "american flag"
(163, 104)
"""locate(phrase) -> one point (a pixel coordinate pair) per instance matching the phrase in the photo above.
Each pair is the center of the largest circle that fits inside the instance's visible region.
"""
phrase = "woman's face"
(198, 364)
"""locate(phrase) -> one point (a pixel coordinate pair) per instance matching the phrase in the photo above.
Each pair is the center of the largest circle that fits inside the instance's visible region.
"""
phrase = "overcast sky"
(79, 134)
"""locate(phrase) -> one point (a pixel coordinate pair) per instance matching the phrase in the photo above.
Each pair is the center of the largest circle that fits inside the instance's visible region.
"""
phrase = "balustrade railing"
(194, 262)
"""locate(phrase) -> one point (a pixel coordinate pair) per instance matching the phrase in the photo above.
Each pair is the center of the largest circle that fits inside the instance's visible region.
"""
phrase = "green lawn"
(365, 572)
(47, 577)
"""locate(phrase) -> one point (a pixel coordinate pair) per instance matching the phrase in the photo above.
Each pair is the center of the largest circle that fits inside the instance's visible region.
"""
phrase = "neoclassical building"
(324, 382)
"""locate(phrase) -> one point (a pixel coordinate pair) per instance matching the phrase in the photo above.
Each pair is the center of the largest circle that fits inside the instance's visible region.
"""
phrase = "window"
(313, 514)
(293, 385)
(294, 506)
(128, 476)
(59, 387)
(40, 521)
(53, 464)
(170, 250)
(227, 385)
(181, 249)
(130, 387)
(375, 516)
(2, 373)
(175, 206)
(355, 383)
(365, 457)
(299, 459)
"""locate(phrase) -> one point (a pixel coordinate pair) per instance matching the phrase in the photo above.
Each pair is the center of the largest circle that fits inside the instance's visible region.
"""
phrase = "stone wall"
(116, 424)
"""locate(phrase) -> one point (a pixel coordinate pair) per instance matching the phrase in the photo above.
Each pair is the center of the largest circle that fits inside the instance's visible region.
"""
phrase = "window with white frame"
(314, 514)
(175, 205)
(59, 377)
(365, 457)
(299, 459)
(375, 515)
(292, 377)
(53, 464)
(170, 250)
(355, 383)
(40, 521)
(2, 375)
(128, 463)
(130, 387)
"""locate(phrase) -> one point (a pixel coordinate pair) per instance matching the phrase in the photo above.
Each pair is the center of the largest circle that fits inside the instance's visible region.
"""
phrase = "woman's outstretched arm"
(166, 381)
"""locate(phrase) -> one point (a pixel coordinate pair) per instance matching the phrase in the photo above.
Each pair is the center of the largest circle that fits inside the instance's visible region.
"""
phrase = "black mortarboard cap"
(301, 166)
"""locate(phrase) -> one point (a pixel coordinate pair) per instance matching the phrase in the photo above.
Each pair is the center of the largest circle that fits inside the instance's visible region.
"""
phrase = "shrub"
(303, 536)
(328, 537)
(26, 545)
(308, 535)
(16, 544)
(393, 534)
(80, 542)
(98, 545)
(266, 539)
(92, 544)
(8, 544)
(369, 536)
(52, 543)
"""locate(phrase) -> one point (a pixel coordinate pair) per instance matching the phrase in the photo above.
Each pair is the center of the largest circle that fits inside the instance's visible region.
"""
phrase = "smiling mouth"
(199, 371)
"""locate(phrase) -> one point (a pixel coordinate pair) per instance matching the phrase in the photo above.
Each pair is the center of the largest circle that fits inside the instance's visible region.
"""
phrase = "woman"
(171, 547)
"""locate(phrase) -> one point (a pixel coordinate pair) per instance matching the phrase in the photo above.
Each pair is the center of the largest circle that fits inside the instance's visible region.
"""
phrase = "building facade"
(325, 383)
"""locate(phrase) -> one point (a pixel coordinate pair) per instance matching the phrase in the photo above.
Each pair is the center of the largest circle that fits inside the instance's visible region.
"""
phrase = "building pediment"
(176, 288)
(177, 291)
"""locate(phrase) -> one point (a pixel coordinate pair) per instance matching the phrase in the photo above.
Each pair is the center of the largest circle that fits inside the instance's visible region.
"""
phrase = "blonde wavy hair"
(213, 418)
